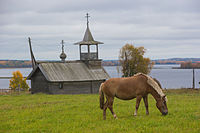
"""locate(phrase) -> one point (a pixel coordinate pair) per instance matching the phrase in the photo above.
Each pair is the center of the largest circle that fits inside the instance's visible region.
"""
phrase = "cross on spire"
(62, 42)
(87, 16)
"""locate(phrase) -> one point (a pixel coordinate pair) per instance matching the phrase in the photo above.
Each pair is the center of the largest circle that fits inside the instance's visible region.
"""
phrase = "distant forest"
(185, 63)
(15, 64)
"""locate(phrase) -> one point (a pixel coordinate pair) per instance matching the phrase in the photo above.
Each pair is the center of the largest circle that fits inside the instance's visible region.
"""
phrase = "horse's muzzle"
(164, 113)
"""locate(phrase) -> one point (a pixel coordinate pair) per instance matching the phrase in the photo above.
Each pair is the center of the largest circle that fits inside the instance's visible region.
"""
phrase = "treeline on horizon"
(15, 64)
(188, 65)
(185, 63)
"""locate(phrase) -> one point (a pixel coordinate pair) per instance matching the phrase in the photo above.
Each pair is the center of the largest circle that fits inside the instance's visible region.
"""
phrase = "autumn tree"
(18, 82)
(132, 60)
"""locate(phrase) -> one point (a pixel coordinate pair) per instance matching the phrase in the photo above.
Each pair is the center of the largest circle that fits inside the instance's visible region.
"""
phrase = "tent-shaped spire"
(88, 38)
(88, 35)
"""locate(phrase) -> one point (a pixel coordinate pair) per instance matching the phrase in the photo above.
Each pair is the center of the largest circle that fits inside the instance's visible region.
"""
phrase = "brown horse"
(137, 86)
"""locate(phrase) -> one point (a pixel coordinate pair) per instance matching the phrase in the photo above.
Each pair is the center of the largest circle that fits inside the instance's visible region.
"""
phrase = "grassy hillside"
(81, 113)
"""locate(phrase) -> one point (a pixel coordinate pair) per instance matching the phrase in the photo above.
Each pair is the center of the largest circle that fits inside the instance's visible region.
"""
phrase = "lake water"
(169, 78)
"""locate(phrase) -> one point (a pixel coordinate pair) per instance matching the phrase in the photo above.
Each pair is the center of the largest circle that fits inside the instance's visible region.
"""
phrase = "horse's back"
(126, 88)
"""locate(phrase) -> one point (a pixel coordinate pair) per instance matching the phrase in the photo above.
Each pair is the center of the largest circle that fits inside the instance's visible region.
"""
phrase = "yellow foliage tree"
(18, 82)
(132, 60)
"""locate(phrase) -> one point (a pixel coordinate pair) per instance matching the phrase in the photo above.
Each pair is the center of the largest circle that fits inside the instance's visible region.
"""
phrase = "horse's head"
(162, 105)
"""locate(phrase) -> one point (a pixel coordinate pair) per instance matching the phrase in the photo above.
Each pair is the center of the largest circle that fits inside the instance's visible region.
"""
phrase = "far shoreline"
(15, 67)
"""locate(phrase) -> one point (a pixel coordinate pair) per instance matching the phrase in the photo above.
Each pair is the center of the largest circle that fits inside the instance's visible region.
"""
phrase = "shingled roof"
(69, 71)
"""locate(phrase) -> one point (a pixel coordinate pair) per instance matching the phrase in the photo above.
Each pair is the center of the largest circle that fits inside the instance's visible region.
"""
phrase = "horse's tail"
(101, 96)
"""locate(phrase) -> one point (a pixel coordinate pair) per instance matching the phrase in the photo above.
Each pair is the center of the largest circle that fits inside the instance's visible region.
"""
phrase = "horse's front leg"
(145, 99)
(110, 106)
(138, 99)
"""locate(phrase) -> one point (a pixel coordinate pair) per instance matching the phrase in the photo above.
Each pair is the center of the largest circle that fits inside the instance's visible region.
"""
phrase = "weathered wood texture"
(40, 84)
(75, 87)
(71, 71)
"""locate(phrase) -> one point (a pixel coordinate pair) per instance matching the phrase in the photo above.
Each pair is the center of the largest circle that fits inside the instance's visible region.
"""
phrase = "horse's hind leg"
(138, 99)
(110, 106)
(104, 109)
(145, 99)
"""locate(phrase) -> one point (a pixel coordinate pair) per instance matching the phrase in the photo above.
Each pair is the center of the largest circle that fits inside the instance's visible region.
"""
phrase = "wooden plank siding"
(40, 84)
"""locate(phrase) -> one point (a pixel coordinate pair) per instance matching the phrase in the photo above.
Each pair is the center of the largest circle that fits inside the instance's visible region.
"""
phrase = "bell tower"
(89, 42)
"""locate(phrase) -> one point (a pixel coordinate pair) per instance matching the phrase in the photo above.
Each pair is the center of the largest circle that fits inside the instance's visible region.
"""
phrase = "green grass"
(81, 113)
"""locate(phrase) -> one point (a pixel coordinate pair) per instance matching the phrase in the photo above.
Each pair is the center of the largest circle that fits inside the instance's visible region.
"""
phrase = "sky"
(166, 28)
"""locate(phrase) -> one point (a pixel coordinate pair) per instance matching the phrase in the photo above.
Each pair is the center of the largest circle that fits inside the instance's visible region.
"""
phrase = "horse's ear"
(165, 97)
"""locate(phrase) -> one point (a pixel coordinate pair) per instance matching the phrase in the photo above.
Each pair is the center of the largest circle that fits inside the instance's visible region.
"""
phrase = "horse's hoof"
(115, 116)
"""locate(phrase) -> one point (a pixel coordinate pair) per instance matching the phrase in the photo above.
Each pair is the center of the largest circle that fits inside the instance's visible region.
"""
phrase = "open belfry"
(70, 77)
(88, 41)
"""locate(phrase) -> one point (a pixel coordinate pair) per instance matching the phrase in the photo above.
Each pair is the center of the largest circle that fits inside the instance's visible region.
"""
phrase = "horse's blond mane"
(153, 84)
